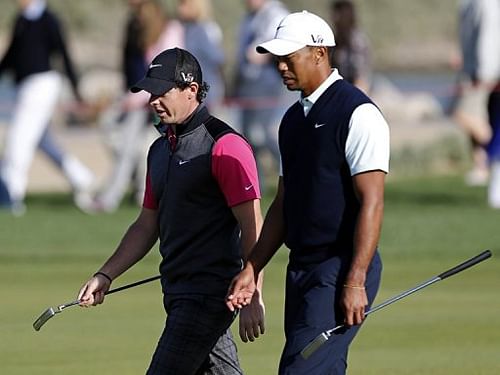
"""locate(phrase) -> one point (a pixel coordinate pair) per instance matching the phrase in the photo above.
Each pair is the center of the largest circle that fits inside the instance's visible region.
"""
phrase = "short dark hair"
(331, 51)
(202, 90)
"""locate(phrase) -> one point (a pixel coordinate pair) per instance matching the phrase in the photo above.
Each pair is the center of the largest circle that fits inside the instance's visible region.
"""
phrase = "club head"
(314, 345)
(42, 319)
(50, 312)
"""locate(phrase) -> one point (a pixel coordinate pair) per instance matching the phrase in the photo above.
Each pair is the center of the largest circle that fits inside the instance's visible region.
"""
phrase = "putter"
(323, 337)
(51, 311)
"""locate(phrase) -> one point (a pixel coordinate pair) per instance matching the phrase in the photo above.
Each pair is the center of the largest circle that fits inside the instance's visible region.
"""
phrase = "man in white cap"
(328, 210)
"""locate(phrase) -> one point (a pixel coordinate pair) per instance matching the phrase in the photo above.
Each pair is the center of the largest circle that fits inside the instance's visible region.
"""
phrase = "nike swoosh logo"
(183, 161)
(248, 187)
(154, 66)
(316, 126)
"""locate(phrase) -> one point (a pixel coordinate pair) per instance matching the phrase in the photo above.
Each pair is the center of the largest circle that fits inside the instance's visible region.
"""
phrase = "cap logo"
(154, 66)
(317, 39)
(187, 77)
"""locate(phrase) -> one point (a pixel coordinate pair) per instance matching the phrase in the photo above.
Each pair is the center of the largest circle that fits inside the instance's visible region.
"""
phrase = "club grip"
(468, 263)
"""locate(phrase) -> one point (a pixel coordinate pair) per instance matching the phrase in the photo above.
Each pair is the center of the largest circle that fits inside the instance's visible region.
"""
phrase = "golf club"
(325, 335)
(51, 311)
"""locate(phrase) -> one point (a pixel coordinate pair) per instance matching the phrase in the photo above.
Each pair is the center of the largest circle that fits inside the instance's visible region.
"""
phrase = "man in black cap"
(202, 201)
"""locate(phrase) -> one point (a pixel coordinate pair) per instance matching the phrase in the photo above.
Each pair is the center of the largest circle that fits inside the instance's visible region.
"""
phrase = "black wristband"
(104, 275)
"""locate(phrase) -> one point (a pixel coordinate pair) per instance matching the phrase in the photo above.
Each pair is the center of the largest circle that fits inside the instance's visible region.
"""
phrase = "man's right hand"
(93, 292)
(241, 289)
(252, 318)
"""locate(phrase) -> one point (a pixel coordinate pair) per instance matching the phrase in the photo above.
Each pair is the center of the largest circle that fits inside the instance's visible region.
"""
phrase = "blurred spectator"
(79, 176)
(258, 87)
(134, 65)
(128, 123)
(479, 29)
(494, 148)
(352, 54)
(161, 31)
(204, 40)
(37, 38)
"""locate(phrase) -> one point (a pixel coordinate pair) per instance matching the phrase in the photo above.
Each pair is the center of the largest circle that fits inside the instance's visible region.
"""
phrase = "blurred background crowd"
(68, 122)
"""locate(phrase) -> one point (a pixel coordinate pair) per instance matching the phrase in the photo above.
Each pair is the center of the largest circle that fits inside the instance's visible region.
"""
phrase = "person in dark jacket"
(202, 201)
(328, 210)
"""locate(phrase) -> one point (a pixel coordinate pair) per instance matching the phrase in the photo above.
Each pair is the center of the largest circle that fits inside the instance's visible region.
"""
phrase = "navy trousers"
(311, 307)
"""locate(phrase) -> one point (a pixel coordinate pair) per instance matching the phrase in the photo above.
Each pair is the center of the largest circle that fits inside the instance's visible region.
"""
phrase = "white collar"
(308, 101)
(34, 10)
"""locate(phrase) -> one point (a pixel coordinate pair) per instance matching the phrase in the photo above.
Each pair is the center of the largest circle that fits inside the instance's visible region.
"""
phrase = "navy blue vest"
(320, 208)
(199, 235)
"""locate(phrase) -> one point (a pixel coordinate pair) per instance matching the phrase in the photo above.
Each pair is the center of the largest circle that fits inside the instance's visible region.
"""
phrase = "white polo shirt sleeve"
(368, 143)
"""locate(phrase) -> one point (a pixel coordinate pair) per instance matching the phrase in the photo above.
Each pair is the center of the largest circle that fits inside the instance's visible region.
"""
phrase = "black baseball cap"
(171, 67)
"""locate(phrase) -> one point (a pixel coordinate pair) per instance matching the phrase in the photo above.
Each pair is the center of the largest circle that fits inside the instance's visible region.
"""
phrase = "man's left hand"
(353, 302)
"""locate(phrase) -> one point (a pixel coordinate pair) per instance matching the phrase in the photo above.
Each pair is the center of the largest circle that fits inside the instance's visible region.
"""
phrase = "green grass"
(430, 225)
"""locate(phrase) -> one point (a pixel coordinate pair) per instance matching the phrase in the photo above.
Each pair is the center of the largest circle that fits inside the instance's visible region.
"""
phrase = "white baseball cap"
(296, 31)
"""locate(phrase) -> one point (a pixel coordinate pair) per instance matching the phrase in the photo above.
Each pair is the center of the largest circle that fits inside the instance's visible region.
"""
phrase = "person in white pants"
(37, 39)
(129, 134)
(479, 61)
(38, 91)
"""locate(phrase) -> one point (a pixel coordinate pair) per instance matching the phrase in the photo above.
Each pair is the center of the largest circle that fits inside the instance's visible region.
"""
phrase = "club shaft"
(452, 271)
(140, 282)
(402, 295)
(133, 284)
(49, 313)
(73, 303)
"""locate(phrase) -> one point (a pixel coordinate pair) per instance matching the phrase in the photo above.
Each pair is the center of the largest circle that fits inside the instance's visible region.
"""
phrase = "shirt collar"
(199, 116)
(308, 101)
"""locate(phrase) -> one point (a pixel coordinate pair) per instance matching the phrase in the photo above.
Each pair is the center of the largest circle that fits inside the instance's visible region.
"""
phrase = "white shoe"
(16, 209)
(91, 205)
(477, 177)
(83, 200)
(494, 186)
